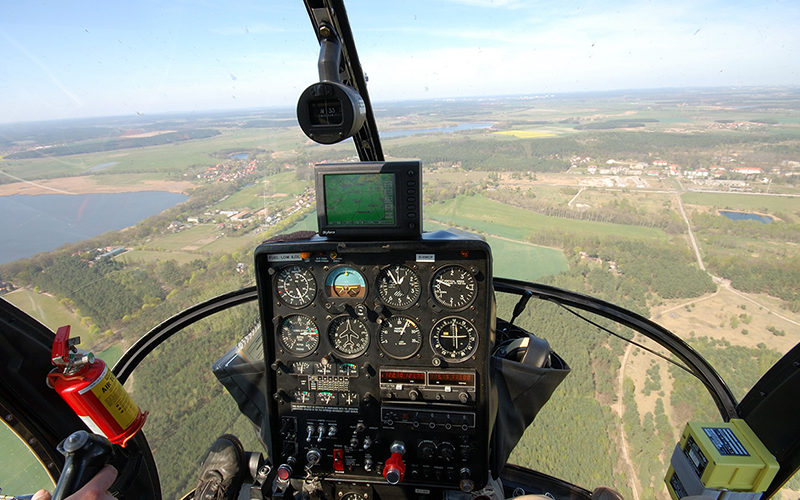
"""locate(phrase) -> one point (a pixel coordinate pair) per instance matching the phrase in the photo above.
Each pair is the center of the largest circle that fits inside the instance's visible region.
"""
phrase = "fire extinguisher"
(92, 391)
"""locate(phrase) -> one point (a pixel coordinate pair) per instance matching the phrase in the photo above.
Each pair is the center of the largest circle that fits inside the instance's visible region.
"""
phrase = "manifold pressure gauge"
(298, 334)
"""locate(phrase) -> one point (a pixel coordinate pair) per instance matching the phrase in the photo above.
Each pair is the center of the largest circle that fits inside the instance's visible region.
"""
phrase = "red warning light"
(465, 253)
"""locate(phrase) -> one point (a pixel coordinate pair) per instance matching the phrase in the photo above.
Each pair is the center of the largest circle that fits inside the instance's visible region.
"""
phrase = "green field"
(491, 217)
(111, 355)
(522, 261)
(163, 158)
(49, 312)
(20, 471)
(188, 239)
(149, 256)
(745, 202)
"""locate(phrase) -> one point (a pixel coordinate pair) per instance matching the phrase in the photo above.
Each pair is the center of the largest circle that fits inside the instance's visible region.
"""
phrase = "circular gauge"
(295, 286)
(454, 339)
(345, 282)
(398, 286)
(349, 336)
(298, 334)
(453, 287)
(400, 337)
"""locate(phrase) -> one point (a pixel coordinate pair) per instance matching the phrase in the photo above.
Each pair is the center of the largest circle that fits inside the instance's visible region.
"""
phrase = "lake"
(33, 224)
(764, 219)
(445, 130)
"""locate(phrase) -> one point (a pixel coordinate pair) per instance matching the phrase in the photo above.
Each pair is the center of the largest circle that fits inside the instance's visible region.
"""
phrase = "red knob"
(394, 469)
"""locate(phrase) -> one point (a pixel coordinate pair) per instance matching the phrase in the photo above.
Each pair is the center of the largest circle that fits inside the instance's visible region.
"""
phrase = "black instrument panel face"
(373, 345)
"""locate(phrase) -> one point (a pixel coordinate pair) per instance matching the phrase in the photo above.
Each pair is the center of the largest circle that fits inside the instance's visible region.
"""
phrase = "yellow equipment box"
(724, 456)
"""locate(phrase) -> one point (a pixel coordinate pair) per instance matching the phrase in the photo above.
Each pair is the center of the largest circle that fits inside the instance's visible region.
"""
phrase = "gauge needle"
(405, 325)
(443, 282)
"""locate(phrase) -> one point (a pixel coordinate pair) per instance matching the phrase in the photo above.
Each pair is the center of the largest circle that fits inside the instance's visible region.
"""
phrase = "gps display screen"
(360, 199)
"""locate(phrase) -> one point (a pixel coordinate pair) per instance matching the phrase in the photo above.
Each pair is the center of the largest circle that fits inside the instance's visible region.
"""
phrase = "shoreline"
(88, 184)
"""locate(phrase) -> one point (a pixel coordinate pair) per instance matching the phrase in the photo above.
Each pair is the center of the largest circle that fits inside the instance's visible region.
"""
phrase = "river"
(33, 224)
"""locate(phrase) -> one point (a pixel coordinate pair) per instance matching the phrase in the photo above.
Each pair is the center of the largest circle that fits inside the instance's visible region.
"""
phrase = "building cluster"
(228, 171)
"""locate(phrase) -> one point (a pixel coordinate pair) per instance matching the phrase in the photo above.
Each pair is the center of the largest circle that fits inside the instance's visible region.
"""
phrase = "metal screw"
(324, 31)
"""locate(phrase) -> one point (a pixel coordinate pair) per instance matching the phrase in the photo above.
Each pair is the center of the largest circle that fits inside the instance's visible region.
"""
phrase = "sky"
(64, 60)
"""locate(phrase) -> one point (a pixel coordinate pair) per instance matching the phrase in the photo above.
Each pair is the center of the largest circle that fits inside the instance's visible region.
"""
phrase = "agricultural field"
(745, 202)
(21, 472)
(491, 217)
(48, 311)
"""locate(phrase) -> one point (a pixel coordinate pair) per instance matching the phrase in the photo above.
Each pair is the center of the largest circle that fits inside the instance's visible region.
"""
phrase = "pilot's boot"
(603, 493)
(220, 476)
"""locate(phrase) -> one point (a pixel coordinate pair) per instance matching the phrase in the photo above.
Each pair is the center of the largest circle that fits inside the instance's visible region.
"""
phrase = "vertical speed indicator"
(454, 287)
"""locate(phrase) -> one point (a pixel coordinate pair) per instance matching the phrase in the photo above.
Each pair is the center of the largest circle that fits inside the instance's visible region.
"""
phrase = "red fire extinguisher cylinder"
(90, 388)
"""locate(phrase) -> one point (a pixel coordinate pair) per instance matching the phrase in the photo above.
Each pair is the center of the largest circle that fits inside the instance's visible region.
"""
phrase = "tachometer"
(345, 282)
(349, 336)
(400, 337)
(453, 287)
(295, 286)
(298, 334)
(454, 339)
(398, 286)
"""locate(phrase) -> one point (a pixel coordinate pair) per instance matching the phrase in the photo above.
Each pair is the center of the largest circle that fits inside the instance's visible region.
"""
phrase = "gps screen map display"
(360, 199)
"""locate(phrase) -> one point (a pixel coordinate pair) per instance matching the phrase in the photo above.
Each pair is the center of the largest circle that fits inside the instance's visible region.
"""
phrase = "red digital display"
(398, 377)
(442, 378)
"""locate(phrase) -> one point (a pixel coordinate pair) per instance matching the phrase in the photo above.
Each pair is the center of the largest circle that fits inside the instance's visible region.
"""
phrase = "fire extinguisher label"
(113, 397)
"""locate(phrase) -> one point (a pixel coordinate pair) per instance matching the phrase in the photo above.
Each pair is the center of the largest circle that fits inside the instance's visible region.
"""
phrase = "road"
(691, 234)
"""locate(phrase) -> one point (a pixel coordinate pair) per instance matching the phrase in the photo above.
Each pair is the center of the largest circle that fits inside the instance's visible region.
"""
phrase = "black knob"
(413, 394)
(447, 452)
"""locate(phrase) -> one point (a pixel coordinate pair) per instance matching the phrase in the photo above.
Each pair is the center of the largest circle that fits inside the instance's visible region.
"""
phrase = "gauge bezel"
(306, 272)
(386, 324)
(332, 336)
(291, 351)
(436, 298)
(388, 301)
(440, 351)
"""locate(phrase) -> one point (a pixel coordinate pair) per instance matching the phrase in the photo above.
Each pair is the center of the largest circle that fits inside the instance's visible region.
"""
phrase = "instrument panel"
(379, 358)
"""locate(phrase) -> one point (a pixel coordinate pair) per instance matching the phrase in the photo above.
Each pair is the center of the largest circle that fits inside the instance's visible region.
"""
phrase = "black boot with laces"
(221, 474)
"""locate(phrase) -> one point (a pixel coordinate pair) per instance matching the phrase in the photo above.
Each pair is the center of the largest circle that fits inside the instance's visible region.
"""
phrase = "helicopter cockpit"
(385, 362)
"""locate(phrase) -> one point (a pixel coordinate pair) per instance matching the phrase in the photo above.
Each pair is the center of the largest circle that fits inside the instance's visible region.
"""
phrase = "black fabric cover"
(521, 391)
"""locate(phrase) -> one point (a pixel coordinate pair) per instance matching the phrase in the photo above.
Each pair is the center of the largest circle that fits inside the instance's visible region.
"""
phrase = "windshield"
(644, 154)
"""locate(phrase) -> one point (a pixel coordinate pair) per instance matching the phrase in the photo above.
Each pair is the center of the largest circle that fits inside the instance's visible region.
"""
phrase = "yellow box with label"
(728, 456)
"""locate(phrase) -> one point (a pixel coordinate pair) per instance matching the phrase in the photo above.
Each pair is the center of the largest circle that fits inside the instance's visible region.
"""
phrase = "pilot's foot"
(603, 493)
(221, 474)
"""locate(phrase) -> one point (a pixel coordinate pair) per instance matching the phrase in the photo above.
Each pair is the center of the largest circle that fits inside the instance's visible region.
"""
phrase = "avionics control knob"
(367, 442)
(367, 464)
(413, 394)
(447, 452)
(463, 397)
